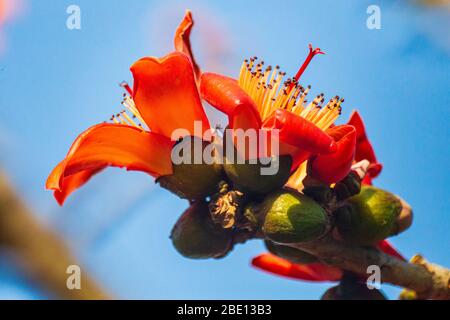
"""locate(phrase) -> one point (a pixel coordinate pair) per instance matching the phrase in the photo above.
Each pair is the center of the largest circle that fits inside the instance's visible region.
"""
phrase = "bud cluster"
(231, 203)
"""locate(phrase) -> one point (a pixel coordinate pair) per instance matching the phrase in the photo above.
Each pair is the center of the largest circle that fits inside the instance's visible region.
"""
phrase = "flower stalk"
(427, 280)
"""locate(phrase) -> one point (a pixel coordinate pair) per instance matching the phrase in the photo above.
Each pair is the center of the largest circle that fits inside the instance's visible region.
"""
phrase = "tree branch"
(428, 280)
(41, 254)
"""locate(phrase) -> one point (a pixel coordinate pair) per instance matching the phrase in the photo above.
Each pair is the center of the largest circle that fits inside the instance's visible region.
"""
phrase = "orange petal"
(182, 40)
(299, 132)
(166, 95)
(72, 183)
(308, 272)
(364, 149)
(334, 167)
(226, 95)
(113, 145)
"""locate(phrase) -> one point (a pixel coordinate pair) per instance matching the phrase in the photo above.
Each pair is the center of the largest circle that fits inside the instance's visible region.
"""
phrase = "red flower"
(260, 99)
(165, 97)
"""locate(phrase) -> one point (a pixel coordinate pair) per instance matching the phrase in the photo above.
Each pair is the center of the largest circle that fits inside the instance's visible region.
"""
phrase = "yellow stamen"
(131, 121)
(124, 118)
(268, 90)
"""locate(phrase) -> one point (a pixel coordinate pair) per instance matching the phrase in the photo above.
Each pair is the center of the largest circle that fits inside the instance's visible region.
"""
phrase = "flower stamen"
(134, 118)
(269, 92)
(129, 104)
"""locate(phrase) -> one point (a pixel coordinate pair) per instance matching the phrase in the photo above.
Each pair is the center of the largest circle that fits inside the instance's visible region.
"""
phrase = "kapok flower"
(260, 99)
(165, 97)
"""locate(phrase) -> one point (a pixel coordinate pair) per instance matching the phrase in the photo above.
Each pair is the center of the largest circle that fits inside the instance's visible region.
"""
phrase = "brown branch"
(41, 254)
(428, 280)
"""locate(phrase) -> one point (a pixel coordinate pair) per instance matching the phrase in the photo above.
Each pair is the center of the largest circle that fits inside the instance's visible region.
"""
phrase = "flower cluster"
(322, 188)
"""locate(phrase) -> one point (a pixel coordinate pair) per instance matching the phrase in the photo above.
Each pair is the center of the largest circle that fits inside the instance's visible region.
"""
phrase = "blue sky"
(57, 82)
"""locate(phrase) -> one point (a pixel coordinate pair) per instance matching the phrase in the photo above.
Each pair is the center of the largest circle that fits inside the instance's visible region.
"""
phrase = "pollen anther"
(269, 91)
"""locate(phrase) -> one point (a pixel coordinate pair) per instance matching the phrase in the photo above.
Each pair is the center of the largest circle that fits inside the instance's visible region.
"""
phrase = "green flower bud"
(292, 254)
(292, 217)
(249, 178)
(357, 291)
(196, 236)
(190, 180)
(369, 217)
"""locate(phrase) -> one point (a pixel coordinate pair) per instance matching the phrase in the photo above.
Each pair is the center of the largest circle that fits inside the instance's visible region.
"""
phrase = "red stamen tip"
(125, 85)
(312, 53)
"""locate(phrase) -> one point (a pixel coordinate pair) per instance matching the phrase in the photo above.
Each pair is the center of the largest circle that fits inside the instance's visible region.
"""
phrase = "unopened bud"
(190, 180)
(249, 177)
(291, 217)
(368, 217)
(196, 236)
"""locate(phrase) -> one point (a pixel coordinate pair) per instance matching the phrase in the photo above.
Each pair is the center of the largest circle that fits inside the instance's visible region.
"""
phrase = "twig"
(42, 255)
(428, 280)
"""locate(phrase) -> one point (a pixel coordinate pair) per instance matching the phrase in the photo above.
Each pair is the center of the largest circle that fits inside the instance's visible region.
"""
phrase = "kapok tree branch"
(41, 254)
(428, 280)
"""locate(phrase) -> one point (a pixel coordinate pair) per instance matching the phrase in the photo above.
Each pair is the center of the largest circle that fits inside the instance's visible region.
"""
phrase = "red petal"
(299, 132)
(166, 95)
(386, 247)
(334, 167)
(110, 145)
(182, 40)
(309, 272)
(356, 121)
(226, 95)
(72, 183)
(364, 149)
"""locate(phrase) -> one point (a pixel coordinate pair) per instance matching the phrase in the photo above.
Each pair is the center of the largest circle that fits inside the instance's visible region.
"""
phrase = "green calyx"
(251, 179)
(291, 217)
(190, 180)
(369, 217)
(292, 254)
(195, 235)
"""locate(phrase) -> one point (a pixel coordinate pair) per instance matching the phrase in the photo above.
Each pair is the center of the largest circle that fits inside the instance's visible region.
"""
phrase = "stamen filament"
(269, 92)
